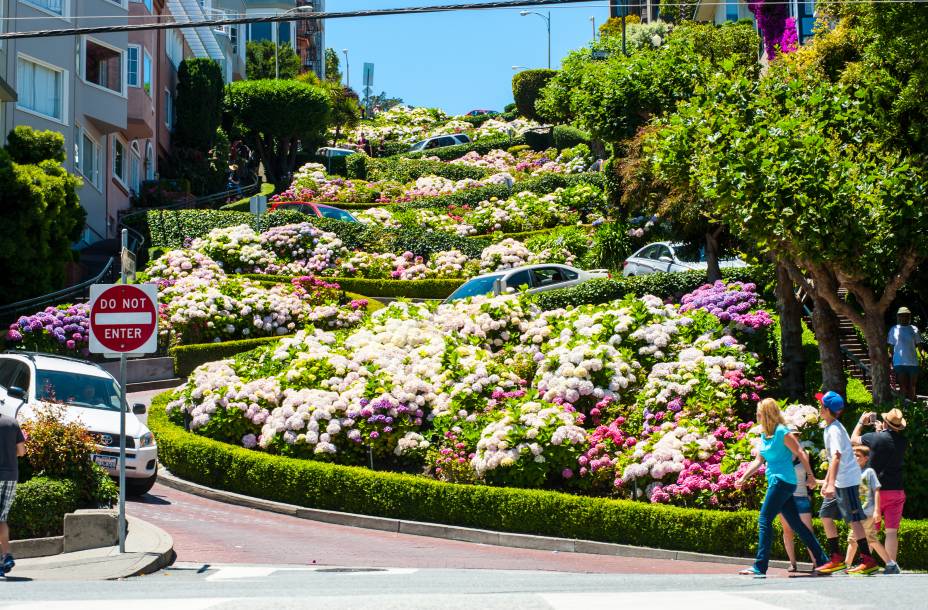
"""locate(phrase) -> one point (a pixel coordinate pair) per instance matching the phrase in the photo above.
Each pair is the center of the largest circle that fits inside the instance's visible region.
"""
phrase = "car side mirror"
(665, 259)
(16, 392)
(139, 409)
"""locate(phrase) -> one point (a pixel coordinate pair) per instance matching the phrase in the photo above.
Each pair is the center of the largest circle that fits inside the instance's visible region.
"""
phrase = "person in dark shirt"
(887, 445)
(12, 446)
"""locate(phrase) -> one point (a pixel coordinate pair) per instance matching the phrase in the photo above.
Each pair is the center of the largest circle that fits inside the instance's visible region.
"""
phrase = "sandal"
(792, 568)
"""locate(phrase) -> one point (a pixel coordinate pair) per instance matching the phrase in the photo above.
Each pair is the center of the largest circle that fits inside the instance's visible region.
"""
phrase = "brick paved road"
(213, 532)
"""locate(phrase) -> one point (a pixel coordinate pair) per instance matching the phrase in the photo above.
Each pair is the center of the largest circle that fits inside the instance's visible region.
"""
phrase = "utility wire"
(282, 18)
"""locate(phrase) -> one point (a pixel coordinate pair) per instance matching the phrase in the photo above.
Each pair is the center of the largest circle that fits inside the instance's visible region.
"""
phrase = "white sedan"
(667, 257)
(536, 278)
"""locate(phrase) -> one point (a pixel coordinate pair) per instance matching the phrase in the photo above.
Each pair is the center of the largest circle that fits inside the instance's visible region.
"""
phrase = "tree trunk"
(712, 254)
(793, 364)
(874, 329)
(828, 334)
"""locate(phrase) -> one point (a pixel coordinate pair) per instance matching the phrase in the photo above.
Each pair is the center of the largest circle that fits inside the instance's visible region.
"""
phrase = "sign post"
(368, 86)
(123, 321)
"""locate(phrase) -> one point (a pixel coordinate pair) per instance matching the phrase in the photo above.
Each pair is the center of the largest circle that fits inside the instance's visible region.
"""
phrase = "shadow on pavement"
(149, 499)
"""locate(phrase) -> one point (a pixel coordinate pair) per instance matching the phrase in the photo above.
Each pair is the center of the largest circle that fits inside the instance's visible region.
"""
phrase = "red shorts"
(891, 503)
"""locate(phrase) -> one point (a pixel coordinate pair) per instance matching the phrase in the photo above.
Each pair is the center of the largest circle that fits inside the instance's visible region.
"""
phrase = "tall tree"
(278, 117)
(332, 66)
(264, 59)
(198, 108)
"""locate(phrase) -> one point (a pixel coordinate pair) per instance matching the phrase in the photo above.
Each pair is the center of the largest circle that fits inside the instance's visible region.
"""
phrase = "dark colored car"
(315, 209)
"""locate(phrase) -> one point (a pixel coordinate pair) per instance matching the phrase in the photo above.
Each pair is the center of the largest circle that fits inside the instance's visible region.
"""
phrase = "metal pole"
(347, 70)
(593, 21)
(122, 421)
(624, 52)
(549, 40)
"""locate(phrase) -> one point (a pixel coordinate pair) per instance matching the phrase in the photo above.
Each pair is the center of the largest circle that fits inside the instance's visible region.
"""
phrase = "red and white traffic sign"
(123, 318)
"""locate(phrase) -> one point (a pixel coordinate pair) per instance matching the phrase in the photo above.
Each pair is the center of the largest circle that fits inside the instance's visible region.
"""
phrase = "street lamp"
(548, 23)
(296, 9)
(347, 70)
(593, 21)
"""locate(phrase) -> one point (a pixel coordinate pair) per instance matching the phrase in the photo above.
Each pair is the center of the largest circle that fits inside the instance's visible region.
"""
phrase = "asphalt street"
(228, 587)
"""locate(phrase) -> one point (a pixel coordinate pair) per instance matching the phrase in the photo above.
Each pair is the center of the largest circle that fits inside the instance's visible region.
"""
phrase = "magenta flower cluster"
(734, 303)
(777, 29)
(63, 329)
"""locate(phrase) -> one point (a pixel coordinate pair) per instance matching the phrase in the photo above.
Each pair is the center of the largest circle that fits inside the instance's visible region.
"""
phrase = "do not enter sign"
(123, 319)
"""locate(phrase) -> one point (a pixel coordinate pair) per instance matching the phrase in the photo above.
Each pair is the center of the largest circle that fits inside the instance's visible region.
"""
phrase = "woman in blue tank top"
(777, 448)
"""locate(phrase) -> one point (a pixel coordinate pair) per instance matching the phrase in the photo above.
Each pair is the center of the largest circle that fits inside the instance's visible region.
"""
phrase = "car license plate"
(106, 461)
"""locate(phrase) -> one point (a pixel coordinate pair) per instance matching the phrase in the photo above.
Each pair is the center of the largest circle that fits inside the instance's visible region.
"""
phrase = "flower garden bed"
(385, 494)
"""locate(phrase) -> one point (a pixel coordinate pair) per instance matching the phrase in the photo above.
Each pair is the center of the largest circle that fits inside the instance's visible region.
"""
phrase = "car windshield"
(299, 207)
(328, 212)
(475, 287)
(79, 390)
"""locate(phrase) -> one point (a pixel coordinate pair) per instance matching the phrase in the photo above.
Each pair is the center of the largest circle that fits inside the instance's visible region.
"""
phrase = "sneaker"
(867, 565)
(836, 564)
(752, 572)
(892, 568)
(8, 563)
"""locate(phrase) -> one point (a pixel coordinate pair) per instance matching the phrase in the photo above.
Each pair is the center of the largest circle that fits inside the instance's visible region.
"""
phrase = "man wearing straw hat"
(887, 445)
(904, 342)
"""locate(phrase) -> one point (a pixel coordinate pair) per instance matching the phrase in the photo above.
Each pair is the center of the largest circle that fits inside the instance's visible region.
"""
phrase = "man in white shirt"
(904, 342)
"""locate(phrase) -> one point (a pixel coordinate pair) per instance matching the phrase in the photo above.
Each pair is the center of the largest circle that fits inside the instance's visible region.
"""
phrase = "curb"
(159, 384)
(160, 555)
(453, 532)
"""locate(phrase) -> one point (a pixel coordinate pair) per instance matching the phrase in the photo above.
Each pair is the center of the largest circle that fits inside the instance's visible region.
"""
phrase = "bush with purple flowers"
(58, 330)
(735, 304)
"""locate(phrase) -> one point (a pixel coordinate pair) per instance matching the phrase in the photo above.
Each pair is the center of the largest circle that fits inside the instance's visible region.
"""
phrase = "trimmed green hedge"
(413, 289)
(483, 146)
(402, 169)
(542, 185)
(401, 496)
(188, 357)
(40, 506)
(664, 285)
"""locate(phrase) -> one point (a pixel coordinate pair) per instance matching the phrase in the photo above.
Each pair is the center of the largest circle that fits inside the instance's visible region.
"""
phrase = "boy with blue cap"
(840, 490)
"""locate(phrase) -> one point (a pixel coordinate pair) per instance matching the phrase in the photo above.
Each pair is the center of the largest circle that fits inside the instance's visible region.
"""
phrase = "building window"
(283, 33)
(146, 73)
(102, 65)
(168, 109)
(806, 20)
(87, 157)
(135, 168)
(731, 10)
(55, 7)
(233, 36)
(40, 88)
(175, 48)
(147, 3)
(149, 161)
(260, 31)
(132, 65)
(119, 160)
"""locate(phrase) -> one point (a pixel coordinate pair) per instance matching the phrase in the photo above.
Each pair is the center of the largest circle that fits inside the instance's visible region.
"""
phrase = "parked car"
(665, 256)
(452, 139)
(314, 209)
(89, 394)
(482, 112)
(330, 152)
(537, 278)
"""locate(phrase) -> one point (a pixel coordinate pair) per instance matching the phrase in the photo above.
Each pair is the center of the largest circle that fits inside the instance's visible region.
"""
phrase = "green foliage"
(424, 243)
(41, 217)
(544, 184)
(40, 506)
(332, 68)
(276, 117)
(169, 228)
(565, 136)
(29, 146)
(356, 490)
(409, 170)
(611, 246)
(412, 289)
(612, 98)
(482, 146)
(198, 109)
(526, 86)
(260, 60)
(188, 357)
(663, 285)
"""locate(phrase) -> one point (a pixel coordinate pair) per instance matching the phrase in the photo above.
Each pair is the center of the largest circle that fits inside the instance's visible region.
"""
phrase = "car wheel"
(140, 487)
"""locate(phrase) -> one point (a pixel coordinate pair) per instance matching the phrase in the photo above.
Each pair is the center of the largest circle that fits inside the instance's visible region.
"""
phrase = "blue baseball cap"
(832, 401)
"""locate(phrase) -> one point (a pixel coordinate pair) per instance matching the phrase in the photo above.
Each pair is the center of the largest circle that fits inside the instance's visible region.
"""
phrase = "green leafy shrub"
(424, 243)
(664, 285)
(356, 490)
(538, 139)
(40, 506)
(482, 146)
(409, 170)
(29, 146)
(611, 246)
(199, 106)
(526, 87)
(413, 289)
(356, 166)
(565, 136)
(169, 228)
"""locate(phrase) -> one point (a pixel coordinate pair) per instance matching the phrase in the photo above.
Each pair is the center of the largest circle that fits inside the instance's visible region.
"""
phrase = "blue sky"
(457, 61)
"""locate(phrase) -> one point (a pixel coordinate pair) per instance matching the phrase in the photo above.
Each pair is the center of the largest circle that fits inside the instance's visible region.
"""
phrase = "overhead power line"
(282, 17)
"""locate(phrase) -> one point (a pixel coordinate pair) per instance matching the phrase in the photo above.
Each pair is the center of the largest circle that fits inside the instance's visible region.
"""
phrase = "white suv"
(451, 139)
(90, 395)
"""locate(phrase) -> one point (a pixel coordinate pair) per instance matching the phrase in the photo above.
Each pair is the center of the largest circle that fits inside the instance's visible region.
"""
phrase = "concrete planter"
(83, 529)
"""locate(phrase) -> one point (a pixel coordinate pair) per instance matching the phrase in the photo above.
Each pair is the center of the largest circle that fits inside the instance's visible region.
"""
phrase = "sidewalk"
(148, 549)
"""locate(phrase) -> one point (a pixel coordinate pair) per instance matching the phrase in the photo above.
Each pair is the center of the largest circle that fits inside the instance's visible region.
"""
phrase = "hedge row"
(542, 185)
(401, 496)
(482, 146)
(404, 170)
(664, 285)
(40, 506)
(413, 289)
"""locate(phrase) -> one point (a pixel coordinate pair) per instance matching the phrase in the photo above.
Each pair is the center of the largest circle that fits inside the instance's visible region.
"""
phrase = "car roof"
(65, 364)
(524, 267)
